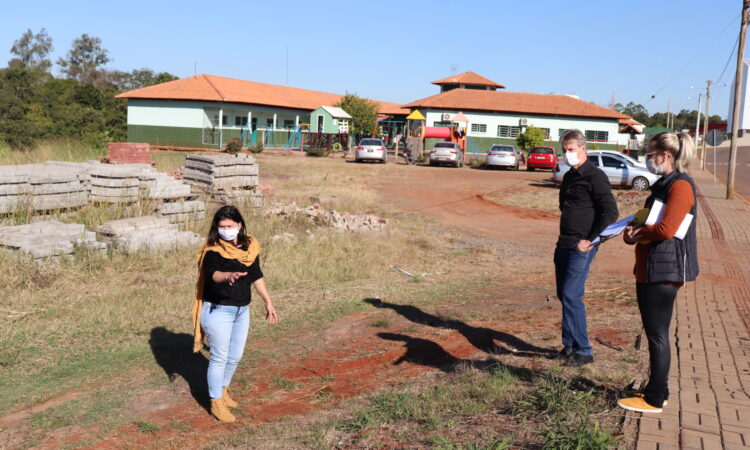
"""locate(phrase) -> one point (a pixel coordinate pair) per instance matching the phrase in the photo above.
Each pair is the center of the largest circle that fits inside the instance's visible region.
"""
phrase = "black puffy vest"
(673, 260)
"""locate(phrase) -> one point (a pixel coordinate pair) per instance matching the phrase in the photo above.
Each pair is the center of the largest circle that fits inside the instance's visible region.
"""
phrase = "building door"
(211, 126)
(320, 123)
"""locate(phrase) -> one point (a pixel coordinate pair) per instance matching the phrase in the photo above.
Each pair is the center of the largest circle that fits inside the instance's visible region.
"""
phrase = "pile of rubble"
(48, 239)
(338, 221)
(146, 232)
(227, 178)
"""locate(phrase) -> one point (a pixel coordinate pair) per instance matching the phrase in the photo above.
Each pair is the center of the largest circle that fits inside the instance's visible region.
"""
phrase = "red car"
(541, 158)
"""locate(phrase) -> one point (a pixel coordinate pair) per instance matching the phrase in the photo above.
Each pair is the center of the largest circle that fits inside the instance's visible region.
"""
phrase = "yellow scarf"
(228, 251)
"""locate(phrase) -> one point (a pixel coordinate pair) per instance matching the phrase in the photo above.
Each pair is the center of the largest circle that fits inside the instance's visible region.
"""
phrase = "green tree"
(32, 51)
(84, 60)
(138, 78)
(532, 137)
(364, 114)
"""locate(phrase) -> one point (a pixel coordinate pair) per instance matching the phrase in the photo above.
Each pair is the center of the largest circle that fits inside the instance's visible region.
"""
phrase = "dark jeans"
(571, 271)
(656, 303)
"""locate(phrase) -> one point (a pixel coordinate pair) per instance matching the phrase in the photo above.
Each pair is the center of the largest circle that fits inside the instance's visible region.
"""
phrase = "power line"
(731, 53)
(698, 53)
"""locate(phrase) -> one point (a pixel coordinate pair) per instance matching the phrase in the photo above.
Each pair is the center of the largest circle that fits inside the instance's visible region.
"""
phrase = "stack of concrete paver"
(40, 188)
(146, 232)
(15, 189)
(48, 239)
(228, 177)
(115, 183)
(182, 211)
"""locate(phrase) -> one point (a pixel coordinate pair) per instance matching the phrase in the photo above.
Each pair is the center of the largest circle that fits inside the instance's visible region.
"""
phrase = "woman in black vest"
(665, 258)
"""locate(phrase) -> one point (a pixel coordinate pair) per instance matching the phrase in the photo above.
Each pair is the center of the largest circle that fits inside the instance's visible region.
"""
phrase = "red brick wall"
(128, 153)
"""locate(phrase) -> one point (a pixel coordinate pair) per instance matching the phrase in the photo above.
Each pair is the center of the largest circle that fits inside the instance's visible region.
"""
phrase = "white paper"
(655, 214)
(683, 229)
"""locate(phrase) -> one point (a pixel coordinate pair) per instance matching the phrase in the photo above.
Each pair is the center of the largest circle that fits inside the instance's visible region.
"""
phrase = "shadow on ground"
(174, 353)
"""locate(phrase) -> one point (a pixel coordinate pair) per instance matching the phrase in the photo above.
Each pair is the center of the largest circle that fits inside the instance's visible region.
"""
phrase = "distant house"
(496, 116)
(207, 111)
(329, 119)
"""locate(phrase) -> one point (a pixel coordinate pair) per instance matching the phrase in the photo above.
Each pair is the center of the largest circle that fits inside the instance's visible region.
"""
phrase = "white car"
(446, 153)
(621, 170)
(371, 149)
(503, 156)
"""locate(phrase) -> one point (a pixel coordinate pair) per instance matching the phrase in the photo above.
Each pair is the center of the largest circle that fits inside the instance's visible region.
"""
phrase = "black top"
(222, 293)
(586, 203)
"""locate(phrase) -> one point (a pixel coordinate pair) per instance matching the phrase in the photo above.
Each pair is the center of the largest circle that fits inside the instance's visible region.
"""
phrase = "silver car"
(503, 156)
(446, 153)
(621, 170)
(371, 149)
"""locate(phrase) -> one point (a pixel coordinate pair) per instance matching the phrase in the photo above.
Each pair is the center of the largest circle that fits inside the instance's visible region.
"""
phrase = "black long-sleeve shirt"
(586, 203)
(238, 294)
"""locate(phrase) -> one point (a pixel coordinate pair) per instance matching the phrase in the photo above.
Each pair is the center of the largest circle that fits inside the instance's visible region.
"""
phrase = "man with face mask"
(587, 207)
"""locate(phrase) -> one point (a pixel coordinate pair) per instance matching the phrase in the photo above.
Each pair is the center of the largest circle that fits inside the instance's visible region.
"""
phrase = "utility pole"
(705, 126)
(736, 102)
(669, 107)
(698, 118)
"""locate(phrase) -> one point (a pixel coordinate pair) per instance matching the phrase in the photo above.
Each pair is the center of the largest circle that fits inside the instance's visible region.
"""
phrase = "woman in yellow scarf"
(228, 264)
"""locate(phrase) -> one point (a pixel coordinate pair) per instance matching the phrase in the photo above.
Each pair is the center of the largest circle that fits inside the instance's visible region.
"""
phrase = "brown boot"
(220, 411)
(227, 399)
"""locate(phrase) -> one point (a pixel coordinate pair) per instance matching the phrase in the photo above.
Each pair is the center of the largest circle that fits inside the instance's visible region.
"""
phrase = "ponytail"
(679, 145)
(685, 153)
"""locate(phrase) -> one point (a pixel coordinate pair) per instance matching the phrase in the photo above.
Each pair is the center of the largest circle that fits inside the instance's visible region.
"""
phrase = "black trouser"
(656, 302)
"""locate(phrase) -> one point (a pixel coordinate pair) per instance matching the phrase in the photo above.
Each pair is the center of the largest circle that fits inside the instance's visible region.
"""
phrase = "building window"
(224, 119)
(561, 131)
(443, 124)
(596, 136)
(545, 131)
(240, 121)
(288, 124)
(254, 123)
(269, 123)
(478, 128)
(508, 131)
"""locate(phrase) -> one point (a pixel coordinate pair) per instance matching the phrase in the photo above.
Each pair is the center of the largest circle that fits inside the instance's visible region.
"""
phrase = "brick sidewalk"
(709, 404)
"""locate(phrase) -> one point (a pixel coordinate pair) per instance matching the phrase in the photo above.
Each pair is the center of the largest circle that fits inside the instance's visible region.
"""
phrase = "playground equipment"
(418, 131)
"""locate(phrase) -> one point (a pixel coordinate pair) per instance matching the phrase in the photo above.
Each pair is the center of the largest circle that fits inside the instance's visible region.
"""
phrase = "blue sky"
(392, 50)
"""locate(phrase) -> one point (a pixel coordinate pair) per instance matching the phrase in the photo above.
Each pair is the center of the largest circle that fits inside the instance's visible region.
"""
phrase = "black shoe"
(565, 353)
(578, 360)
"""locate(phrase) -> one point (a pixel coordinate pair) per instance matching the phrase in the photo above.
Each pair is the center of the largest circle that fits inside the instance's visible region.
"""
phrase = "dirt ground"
(352, 357)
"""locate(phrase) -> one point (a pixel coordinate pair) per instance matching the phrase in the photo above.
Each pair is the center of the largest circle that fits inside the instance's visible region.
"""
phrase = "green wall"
(172, 136)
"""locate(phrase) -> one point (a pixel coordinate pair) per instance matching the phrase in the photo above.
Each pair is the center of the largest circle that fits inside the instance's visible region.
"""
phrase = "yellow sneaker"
(227, 399)
(637, 404)
(220, 411)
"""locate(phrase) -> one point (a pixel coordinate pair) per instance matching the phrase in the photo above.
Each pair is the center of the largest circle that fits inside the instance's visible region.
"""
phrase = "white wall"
(175, 113)
(492, 120)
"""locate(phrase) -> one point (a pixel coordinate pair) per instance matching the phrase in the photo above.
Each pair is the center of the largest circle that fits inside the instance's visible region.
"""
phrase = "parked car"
(621, 170)
(541, 158)
(503, 156)
(446, 153)
(371, 149)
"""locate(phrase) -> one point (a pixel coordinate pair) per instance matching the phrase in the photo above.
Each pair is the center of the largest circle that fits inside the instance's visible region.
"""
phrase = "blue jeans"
(226, 328)
(571, 271)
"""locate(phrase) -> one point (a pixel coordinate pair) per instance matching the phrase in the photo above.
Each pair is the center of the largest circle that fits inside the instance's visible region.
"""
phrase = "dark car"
(541, 158)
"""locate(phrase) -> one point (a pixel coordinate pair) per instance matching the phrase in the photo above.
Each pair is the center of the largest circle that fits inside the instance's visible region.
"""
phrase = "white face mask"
(228, 234)
(653, 168)
(572, 158)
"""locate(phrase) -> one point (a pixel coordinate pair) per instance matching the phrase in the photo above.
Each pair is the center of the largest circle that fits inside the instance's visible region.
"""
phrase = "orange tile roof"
(468, 78)
(629, 121)
(516, 102)
(217, 89)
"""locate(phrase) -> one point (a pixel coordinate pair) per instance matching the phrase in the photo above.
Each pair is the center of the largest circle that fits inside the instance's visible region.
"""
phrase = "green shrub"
(592, 146)
(233, 145)
(257, 149)
(475, 162)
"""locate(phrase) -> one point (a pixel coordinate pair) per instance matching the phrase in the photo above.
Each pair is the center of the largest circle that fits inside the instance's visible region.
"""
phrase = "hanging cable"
(734, 47)
(700, 52)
